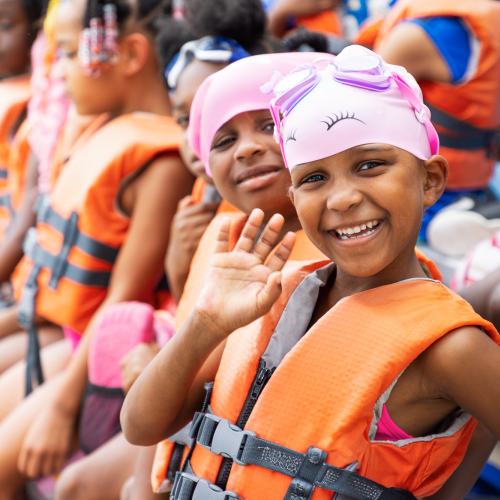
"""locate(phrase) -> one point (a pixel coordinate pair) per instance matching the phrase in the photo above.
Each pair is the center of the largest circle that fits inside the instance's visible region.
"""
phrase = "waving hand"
(240, 287)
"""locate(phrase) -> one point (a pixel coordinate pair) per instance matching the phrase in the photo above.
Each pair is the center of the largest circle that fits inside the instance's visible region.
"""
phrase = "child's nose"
(343, 196)
(60, 69)
(249, 147)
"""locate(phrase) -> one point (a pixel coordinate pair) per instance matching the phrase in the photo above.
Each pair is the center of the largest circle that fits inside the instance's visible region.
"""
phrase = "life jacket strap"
(47, 215)
(462, 135)
(3, 173)
(6, 201)
(60, 266)
(190, 487)
(308, 470)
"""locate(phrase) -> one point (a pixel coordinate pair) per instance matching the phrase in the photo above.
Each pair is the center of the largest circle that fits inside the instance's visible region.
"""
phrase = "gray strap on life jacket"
(6, 201)
(308, 470)
(462, 135)
(25, 318)
(3, 173)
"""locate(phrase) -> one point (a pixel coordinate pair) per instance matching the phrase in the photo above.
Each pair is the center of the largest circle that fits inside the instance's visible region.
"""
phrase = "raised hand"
(239, 288)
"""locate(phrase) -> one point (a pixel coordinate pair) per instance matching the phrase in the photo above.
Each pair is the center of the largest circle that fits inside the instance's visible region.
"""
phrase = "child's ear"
(134, 53)
(436, 177)
(291, 194)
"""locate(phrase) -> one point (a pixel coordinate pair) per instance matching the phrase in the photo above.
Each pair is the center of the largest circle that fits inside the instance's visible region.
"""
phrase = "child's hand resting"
(239, 288)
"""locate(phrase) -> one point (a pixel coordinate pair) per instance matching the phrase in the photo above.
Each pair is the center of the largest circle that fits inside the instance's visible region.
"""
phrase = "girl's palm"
(239, 287)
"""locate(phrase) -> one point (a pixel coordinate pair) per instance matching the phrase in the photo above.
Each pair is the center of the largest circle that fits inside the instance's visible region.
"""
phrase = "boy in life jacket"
(452, 49)
(355, 377)
(102, 235)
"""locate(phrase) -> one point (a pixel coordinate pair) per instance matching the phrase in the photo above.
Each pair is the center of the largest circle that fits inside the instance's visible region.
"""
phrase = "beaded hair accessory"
(98, 47)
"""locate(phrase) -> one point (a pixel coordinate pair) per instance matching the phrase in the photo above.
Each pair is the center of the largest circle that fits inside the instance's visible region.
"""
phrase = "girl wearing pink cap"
(359, 374)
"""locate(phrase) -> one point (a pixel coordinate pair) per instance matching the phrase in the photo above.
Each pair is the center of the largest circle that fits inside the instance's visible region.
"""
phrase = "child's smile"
(357, 230)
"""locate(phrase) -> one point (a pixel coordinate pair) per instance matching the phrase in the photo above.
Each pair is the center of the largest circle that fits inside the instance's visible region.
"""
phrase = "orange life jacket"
(326, 22)
(198, 193)
(15, 93)
(466, 116)
(309, 411)
(170, 453)
(369, 32)
(80, 229)
(12, 195)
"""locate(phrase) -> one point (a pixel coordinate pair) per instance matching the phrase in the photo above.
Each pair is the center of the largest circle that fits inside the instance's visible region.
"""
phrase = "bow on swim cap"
(357, 99)
(234, 90)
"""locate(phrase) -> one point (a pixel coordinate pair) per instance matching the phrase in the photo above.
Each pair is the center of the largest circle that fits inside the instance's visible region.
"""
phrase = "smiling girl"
(357, 375)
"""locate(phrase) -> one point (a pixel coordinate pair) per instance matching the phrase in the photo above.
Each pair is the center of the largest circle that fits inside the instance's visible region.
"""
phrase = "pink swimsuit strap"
(388, 430)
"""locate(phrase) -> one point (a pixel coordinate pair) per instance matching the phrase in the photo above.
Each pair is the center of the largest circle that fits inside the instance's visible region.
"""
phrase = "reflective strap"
(44, 259)
(3, 173)
(47, 215)
(309, 470)
(189, 487)
(466, 136)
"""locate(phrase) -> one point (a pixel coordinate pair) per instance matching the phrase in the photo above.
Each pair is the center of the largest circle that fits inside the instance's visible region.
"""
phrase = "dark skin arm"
(238, 289)
(408, 45)
(151, 199)
(188, 226)
(11, 249)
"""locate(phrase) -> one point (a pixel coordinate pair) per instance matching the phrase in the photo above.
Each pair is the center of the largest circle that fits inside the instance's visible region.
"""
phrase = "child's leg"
(100, 475)
(13, 347)
(141, 486)
(12, 432)
(12, 382)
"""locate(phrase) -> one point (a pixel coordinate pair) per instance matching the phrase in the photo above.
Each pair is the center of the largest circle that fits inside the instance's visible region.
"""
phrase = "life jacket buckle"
(228, 439)
(189, 487)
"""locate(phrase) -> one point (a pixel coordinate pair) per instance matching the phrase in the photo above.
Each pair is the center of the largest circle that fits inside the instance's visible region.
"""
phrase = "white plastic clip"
(420, 116)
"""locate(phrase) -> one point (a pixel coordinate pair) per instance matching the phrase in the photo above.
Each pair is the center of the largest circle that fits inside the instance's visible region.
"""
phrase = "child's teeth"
(345, 234)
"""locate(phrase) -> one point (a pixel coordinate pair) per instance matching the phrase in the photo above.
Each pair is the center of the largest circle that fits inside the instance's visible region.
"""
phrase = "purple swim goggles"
(358, 69)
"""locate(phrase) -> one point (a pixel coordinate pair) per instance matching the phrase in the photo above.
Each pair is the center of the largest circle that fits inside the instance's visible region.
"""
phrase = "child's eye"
(269, 126)
(369, 165)
(223, 141)
(314, 178)
(183, 121)
(5, 25)
(63, 54)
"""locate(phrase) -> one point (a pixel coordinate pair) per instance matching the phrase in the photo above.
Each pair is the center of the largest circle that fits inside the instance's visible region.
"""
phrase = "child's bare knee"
(73, 484)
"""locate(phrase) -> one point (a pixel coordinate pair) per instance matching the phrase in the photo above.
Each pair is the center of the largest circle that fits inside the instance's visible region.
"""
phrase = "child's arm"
(464, 477)
(238, 289)
(188, 227)
(463, 368)
(138, 266)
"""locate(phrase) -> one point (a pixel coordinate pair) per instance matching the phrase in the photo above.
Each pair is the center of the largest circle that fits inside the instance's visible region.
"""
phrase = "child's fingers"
(184, 202)
(271, 292)
(269, 237)
(222, 239)
(278, 260)
(250, 231)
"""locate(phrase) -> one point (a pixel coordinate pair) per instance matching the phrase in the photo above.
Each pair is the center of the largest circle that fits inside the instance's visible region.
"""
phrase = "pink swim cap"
(358, 99)
(234, 90)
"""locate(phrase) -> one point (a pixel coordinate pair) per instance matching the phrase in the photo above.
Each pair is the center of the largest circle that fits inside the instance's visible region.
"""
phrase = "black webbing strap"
(3, 173)
(60, 267)
(308, 470)
(463, 135)
(26, 319)
(47, 215)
